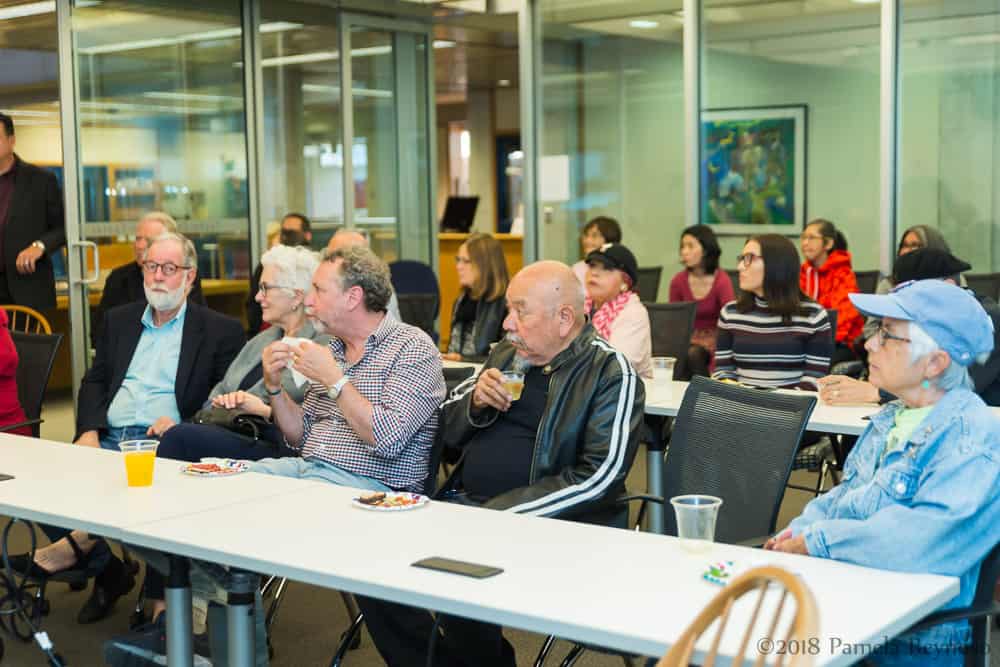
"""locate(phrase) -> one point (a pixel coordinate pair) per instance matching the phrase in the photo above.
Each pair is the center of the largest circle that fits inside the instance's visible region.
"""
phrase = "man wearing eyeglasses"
(156, 364)
(125, 283)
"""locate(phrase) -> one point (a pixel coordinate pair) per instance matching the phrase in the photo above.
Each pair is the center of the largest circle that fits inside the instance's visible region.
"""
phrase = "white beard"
(166, 301)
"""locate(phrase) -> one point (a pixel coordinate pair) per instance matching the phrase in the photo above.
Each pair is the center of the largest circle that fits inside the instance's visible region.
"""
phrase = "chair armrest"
(644, 497)
(11, 427)
(963, 614)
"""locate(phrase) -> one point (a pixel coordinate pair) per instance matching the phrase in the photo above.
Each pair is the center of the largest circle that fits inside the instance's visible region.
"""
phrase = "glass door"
(157, 123)
(387, 121)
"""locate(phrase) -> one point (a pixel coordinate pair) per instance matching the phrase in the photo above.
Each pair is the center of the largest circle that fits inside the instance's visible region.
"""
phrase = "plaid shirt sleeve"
(410, 395)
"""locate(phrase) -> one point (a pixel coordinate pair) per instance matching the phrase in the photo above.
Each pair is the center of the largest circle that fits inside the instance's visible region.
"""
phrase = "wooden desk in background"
(448, 244)
(225, 296)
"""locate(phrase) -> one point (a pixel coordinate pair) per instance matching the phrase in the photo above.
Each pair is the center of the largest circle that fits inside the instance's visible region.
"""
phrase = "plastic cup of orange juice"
(140, 455)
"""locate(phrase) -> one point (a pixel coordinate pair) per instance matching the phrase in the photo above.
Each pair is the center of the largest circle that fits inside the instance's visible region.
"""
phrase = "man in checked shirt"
(369, 417)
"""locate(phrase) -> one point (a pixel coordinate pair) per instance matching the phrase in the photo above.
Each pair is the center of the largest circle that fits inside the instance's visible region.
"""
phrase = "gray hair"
(955, 376)
(295, 265)
(362, 268)
(190, 255)
(169, 224)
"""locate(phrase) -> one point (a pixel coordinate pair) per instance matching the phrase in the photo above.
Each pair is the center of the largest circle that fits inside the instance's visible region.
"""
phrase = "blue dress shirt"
(147, 392)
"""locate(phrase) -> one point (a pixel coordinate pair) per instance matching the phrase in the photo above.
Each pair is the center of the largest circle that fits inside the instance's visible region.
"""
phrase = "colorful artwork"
(753, 169)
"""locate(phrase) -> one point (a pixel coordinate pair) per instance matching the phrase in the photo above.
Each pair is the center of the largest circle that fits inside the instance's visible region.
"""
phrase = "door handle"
(90, 279)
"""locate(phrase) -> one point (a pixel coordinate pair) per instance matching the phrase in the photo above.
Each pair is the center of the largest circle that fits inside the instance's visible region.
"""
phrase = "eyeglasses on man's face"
(168, 268)
(746, 258)
(806, 236)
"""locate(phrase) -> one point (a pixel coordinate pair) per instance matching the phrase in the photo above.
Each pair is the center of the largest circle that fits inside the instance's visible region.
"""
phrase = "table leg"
(239, 618)
(180, 647)
(655, 449)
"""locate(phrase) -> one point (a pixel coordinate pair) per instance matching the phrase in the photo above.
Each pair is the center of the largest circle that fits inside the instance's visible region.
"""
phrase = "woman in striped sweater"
(773, 335)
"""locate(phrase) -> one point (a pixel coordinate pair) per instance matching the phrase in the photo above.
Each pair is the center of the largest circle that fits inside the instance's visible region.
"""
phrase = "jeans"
(318, 470)
(118, 434)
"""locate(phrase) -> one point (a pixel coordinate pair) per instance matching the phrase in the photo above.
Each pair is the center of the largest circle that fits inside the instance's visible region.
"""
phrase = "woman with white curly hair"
(285, 281)
(921, 489)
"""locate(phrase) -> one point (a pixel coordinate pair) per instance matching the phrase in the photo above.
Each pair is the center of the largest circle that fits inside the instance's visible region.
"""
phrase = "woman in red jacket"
(826, 276)
(10, 406)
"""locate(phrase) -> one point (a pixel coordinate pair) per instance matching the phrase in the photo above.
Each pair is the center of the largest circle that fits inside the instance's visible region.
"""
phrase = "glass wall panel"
(373, 84)
(303, 146)
(161, 126)
(949, 163)
(766, 66)
(613, 126)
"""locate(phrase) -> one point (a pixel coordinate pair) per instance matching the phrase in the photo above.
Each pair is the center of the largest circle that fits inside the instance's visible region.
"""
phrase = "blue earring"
(926, 384)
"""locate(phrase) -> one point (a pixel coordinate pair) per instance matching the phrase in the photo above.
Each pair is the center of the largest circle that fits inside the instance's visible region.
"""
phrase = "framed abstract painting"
(753, 169)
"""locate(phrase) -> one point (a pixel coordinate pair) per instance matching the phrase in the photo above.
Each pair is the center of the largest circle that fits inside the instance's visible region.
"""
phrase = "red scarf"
(606, 314)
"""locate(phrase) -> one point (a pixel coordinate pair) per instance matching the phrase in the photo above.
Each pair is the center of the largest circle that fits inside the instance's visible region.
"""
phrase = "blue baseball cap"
(949, 314)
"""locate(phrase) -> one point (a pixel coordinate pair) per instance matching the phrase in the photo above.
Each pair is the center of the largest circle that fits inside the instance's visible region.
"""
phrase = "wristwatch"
(39, 245)
(334, 390)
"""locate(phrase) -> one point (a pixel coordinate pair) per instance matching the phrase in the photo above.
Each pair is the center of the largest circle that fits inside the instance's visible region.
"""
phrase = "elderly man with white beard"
(155, 366)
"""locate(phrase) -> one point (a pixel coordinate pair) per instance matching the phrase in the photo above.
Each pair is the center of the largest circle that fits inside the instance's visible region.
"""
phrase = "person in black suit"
(32, 227)
(296, 230)
(155, 366)
(124, 284)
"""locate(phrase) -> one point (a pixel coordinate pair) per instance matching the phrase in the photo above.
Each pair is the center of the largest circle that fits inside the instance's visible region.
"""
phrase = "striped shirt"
(757, 348)
(400, 375)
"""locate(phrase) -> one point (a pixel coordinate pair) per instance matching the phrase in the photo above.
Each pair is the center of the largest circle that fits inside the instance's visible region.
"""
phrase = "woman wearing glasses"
(479, 311)
(826, 277)
(772, 335)
(286, 278)
(921, 489)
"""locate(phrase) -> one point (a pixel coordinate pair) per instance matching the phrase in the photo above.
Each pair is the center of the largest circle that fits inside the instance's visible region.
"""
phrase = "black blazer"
(209, 344)
(124, 285)
(36, 214)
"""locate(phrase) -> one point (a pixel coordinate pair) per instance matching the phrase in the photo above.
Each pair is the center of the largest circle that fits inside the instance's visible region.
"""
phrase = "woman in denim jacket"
(921, 489)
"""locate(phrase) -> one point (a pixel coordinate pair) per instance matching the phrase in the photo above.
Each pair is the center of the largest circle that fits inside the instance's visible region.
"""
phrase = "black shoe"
(115, 581)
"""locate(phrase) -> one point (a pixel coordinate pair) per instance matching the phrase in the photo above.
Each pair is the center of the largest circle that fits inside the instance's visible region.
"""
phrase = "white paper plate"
(386, 506)
(227, 467)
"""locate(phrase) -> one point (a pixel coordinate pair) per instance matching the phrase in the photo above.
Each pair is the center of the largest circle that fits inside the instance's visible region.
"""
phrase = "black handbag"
(242, 423)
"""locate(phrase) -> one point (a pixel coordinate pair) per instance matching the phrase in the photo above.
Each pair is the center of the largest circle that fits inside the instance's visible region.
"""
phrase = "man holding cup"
(562, 449)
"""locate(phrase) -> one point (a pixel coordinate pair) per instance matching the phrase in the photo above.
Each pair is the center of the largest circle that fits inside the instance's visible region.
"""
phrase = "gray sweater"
(250, 356)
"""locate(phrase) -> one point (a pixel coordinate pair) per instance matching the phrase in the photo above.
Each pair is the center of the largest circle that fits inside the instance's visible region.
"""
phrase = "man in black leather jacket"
(562, 449)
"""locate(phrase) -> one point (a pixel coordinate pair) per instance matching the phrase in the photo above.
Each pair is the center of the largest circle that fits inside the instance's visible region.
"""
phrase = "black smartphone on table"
(460, 567)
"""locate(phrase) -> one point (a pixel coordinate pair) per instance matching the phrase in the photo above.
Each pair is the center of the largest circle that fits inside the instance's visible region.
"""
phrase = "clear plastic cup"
(140, 457)
(696, 515)
(663, 369)
(513, 382)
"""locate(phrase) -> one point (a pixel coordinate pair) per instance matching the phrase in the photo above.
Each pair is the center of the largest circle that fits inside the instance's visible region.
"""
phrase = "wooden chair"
(26, 320)
(803, 627)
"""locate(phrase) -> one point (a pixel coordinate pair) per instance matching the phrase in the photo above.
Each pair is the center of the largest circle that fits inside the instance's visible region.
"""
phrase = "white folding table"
(630, 591)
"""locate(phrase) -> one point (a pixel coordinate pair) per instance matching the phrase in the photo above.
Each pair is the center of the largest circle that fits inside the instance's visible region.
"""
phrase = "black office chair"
(984, 284)
(420, 310)
(867, 281)
(983, 607)
(649, 283)
(670, 327)
(351, 638)
(36, 354)
(419, 295)
(734, 443)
